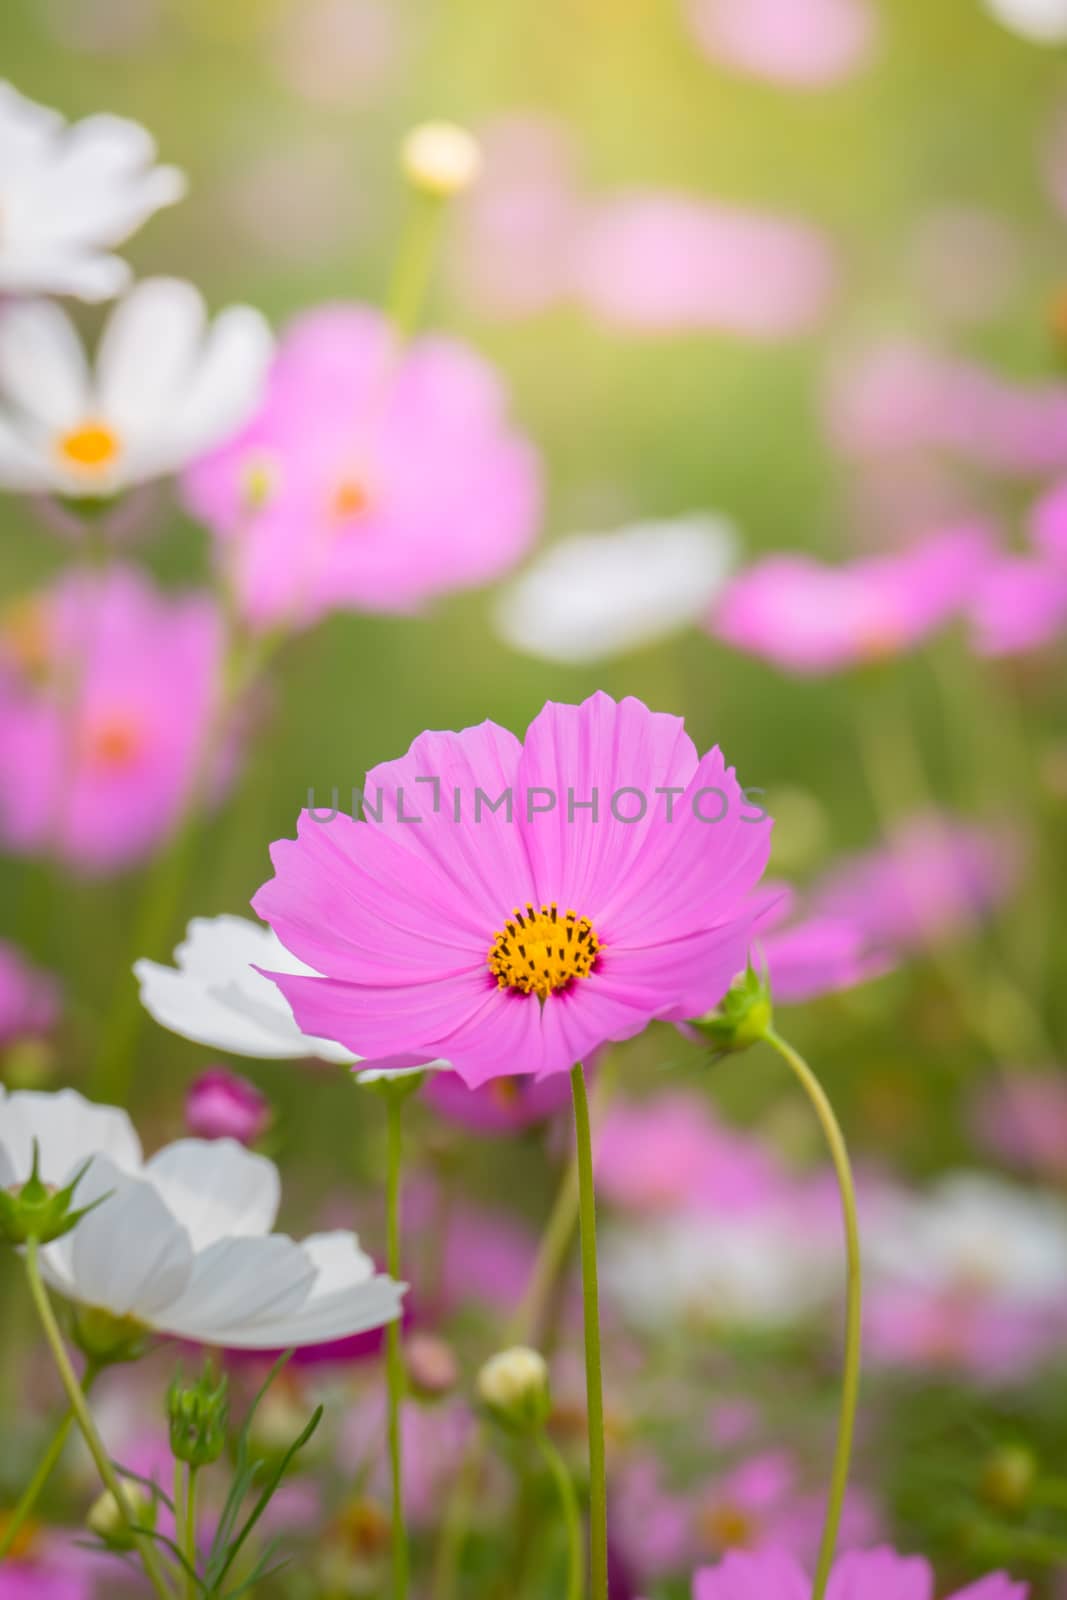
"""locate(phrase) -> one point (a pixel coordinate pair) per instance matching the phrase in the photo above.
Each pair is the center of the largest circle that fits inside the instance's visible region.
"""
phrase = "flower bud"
(742, 1017)
(222, 1105)
(36, 1210)
(513, 1388)
(108, 1523)
(106, 1339)
(431, 1366)
(198, 1414)
(440, 158)
(1008, 1477)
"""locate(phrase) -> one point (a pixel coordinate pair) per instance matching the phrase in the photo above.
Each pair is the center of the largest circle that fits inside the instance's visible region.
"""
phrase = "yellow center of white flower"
(91, 447)
(542, 952)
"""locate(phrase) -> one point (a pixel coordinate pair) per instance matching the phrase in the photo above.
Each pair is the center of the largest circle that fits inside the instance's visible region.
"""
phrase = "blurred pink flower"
(222, 1105)
(899, 398)
(670, 1153)
(1021, 1117)
(661, 263)
(372, 479)
(337, 52)
(505, 1105)
(516, 227)
(801, 44)
(875, 1574)
(50, 1566)
(525, 938)
(957, 1331)
(434, 1438)
(810, 618)
(1020, 604)
(936, 876)
(1048, 526)
(29, 998)
(103, 717)
(809, 956)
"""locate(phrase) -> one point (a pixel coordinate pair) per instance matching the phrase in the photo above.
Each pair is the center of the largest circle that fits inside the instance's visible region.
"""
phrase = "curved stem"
(414, 263)
(394, 1361)
(568, 1501)
(594, 1387)
(850, 1376)
(31, 1494)
(83, 1417)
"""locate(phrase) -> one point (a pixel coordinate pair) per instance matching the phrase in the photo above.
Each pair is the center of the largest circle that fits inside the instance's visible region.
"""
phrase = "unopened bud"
(39, 1211)
(431, 1365)
(106, 1520)
(198, 1414)
(1008, 1477)
(513, 1387)
(742, 1017)
(440, 158)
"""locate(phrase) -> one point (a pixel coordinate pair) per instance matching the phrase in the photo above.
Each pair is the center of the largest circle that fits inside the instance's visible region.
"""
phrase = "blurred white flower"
(1043, 21)
(68, 194)
(166, 387)
(182, 1243)
(215, 996)
(597, 595)
(973, 1233)
(765, 1269)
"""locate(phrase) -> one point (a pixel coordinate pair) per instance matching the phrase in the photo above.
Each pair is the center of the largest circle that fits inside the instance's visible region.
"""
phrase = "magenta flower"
(29, 999)
(807, 956)
(663, 262)
(222, 1105)
(810, 618)
(611, 885)
(671, 1154)
(802, 44)
(1021, 1118)
(371, 479)
(506, 1105)
(875, 1574)
(1020, 604)
(936, 876)
(103, 716)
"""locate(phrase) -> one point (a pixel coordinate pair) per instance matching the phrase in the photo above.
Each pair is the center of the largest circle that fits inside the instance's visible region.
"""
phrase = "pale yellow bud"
(513, 1386)
(441, 158)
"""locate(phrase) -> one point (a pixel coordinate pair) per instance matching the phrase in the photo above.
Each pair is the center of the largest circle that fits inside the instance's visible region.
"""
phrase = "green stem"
(394, 1360)
(568, 1501)
(594, 1389)
(82, 1415)
(45, 1468)
(188, 1536)
(414, 263)
(850, 1376)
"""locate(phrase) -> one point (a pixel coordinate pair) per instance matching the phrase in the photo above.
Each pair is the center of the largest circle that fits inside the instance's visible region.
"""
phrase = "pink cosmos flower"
(505, 1105)
(29, 999)
(611, 885)
(875, 1574)
(1021, 1117)
(802, 44)
(371, 479)
(934, 877)
(672, 1154)
(897, 399)
(662, 262)
(103, 716)
(810, 618)
(1048, 526)
(1020, 604)
(222, 1105)
(53, 1568)
(807, 956)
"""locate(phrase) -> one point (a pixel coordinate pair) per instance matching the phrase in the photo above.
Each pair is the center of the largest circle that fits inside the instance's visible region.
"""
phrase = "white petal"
(217, 1188)
(346, 1297)
(22, 468)
(147, 355)
(130, 1256)
(43, 371)
(237, 1283)
(24, 125)
(225, 388)
(43, 271)
(68, 1129)
(1043, 21)
(595, 595)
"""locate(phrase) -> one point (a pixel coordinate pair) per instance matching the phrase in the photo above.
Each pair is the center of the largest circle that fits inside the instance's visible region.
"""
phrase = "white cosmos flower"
(596, 595)
(182, 1243)
(1043, 21)
(68, 193)
(166, 387)
(973, 1233)
(766, 1269)
(215, 996)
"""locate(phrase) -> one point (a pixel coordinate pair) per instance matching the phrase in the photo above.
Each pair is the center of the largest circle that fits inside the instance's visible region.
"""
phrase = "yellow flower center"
(350, 498)
(542, 952)
(114, 742)
(727, 1526)
(90, 447)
